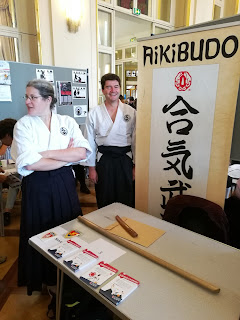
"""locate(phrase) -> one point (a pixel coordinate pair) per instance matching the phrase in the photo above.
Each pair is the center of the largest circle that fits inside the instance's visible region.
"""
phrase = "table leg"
(60, 276)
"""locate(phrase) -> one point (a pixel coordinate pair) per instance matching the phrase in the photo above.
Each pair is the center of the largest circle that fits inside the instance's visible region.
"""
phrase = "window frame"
(13, 33)
(105, 49)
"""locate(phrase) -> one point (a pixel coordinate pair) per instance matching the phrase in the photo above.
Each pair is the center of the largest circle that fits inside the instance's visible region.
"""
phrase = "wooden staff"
(151, 257)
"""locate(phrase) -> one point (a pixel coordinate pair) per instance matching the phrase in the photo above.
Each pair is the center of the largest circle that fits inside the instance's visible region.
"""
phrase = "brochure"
(119, 288)
(98, 274)
(80, 260)
(64, 249)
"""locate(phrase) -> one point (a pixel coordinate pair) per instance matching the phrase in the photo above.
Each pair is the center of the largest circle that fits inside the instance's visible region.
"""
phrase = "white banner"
(183, 106)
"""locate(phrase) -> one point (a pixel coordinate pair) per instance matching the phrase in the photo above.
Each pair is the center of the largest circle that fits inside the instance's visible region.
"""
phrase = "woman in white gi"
(45, 145)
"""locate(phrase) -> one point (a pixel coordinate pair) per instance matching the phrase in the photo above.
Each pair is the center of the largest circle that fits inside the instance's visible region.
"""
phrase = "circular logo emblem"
(78, 111)
(183, 81)
(92, 274)
(126, 118)
(63, 131)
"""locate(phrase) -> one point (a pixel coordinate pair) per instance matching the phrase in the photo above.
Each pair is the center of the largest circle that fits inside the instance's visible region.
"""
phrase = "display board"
(187, 94)
(70, 84)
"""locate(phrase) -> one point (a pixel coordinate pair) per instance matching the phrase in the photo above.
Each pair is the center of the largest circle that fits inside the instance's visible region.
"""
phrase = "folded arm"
(45, 165)
(67, 155)
(55, 159)
(27, 147)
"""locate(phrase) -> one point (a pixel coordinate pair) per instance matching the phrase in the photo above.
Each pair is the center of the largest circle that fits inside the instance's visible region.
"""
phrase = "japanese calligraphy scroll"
(187, 94)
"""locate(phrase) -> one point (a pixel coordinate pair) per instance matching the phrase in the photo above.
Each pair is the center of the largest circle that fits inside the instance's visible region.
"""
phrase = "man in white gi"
(110, 130)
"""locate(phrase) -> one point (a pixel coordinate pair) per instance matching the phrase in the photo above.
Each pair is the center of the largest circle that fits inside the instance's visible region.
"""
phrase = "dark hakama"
(49, 198)
(114, 171)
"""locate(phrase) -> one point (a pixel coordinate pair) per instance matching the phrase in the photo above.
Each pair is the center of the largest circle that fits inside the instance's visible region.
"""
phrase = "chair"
(1, 213)
(198, 215)
(232, 209)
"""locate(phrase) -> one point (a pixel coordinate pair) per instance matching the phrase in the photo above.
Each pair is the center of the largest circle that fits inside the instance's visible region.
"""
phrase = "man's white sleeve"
(90, 135)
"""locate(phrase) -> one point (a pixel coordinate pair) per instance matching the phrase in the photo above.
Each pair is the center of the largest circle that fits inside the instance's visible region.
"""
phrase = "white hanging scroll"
(183, 106)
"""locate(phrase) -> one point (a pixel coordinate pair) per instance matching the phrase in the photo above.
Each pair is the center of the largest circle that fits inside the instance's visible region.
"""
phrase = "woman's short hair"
(45, 89)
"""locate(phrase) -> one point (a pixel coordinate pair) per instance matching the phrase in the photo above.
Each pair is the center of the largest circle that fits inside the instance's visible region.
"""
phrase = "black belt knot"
(113, 151)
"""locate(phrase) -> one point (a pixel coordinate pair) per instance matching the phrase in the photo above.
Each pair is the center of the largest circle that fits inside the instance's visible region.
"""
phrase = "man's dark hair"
(6, 127)
(110, 76)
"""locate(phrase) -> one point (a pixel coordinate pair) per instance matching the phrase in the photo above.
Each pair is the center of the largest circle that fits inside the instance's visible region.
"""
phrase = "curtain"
(7, 46)
(5, 13)
(7, 49)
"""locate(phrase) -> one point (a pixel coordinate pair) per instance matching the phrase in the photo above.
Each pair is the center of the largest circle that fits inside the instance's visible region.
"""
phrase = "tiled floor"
(14, 302)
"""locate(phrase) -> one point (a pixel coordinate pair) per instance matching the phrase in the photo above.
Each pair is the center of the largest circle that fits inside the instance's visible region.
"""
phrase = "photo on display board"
(5, 93)
(64, 90)
(45, 74)
(128, 73)
(79, 76)
(79, 92)
(5, 77)
(80, 111)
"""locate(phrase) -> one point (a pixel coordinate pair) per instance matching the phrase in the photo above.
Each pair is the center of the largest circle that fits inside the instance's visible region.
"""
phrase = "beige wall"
(204, 10)
(64, 49)
(230, 7)
(45, 34)
(26, 25)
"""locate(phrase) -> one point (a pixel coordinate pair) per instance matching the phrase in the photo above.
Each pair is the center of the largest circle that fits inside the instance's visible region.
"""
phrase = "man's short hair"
(6, 127)
(110, 76)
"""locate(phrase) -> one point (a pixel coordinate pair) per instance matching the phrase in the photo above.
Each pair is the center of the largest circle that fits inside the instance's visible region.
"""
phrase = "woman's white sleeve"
(23, 149)
(80, 141)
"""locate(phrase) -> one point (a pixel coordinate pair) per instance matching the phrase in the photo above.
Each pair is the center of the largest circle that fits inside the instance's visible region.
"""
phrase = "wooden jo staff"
(151, 257)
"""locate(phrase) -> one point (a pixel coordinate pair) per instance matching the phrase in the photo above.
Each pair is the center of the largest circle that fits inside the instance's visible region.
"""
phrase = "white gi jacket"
(31, 136)
(101, 130)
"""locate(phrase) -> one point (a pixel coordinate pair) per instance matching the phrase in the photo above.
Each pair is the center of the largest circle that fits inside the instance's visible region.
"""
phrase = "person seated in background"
(232, 210)
(135, 104)
(121, 98)
(6, 138)
(2, 179)
(131, 102)
(3, 150)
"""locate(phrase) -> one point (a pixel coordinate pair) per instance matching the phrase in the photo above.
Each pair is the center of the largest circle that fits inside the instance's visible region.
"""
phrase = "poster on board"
(64, 90)
(5, 77)
(45, 74)
(79, 76)
(79, 92)
(5, 93)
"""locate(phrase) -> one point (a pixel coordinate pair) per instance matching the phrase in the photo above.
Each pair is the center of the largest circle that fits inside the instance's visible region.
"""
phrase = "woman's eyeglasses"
(31, 98)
